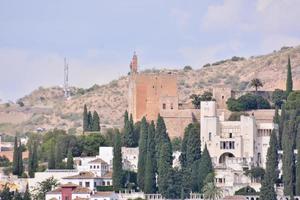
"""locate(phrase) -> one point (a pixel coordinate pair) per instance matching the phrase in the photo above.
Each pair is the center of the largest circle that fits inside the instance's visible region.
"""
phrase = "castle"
(234, 146)
(153, 94)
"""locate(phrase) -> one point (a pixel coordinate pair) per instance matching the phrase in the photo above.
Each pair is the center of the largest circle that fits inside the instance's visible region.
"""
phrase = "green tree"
(27, 195)
(174, 184)
(17, 195)
(58, 155)
(212, 192)
(298, 163)
(161, 136)
(288, 159)
(6, 193)
(176, 144)
(85, 119)
(117, 164)
(16, 157)
(164, 167)
(256, 83)
(193, 155)
(289, 79)
(20, 160)
(90, 121)
(39, 192)
(33, 159)
(205, 167)
(278, 97)
(129, 138)
(276, 118)
(271, 174)
(150, 178)
(51, 157)
(95, 122)
(142, 153)
(70, 161)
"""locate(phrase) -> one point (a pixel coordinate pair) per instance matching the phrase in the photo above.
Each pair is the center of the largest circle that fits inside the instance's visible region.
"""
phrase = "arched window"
(209, 136)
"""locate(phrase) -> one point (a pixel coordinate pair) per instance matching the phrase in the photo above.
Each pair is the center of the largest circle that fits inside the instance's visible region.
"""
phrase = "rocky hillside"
(46, 107)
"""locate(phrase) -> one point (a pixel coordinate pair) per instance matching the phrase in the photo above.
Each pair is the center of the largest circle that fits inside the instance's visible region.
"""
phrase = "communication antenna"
(66, 79)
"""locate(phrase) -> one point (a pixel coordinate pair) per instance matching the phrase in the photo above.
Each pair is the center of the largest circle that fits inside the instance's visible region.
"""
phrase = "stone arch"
(225, 156)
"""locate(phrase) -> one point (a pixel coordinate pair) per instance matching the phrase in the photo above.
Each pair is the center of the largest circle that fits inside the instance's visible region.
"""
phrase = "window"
(97, 166)
(222, 97)
(95, 184)
(164, 106)
(209, 136)
(171, 106)
(108, 183)
(103, 183)
(80, 183)
(87, 184)
(91, 167)
(230, 135)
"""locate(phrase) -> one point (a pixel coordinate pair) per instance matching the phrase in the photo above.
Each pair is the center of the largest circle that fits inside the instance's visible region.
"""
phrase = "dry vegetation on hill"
(46, 107)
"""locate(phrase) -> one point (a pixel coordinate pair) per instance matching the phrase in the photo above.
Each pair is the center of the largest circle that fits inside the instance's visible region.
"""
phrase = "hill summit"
(46, 108)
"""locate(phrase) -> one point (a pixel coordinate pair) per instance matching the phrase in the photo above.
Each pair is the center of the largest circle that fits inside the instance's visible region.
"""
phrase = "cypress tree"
(184, 144)
(126, 117)
(276, 118)
(271, 174)
(193, 156)
(289, 80)
(51, 157)
(164, 168)
(6, 193)
(33, 159)
(70, 161)
(15, 169)
(27, 195)
(96, 122)
(205, 167)
(142, 154)
(85, 119)
(17, 196)
(161, 136)
(117, 164)
(129, 133)
(58, 155)
(20, 160)
(150, 179)
(298, 163)
(90, 121)
(281, 126)
(288, 159)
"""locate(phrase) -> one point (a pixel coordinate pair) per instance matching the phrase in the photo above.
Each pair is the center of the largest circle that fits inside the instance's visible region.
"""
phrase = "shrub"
(104, 188)
(247, 102)
(206, 65)
(236, 116)
(187, 68)
(246, 191)
(278, 97)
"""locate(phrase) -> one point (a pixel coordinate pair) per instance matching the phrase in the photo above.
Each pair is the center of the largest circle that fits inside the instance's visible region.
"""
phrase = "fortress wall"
(177, 120)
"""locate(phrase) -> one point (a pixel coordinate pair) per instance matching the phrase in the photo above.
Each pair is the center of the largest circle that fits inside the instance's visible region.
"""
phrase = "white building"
(234, 146)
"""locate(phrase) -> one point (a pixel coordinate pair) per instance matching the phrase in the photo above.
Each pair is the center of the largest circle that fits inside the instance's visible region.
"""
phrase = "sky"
(98, 37)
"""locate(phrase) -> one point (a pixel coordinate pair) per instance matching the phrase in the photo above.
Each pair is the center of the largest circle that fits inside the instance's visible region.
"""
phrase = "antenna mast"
(66, 79)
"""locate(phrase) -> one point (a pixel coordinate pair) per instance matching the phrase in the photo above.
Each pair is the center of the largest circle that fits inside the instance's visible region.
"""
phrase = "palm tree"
(212, 192)
(256, 83)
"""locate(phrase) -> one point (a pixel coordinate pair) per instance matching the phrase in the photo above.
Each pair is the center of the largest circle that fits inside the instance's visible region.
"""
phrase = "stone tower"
(134, 64)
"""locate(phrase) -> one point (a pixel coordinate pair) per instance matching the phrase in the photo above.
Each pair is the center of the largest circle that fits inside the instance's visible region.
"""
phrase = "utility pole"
(66, 79)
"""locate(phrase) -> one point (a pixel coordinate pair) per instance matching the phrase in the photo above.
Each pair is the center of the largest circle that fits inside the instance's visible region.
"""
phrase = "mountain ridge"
(47, 108)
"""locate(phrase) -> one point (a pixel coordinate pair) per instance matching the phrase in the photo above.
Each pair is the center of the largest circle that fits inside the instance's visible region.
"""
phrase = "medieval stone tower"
(146, 91)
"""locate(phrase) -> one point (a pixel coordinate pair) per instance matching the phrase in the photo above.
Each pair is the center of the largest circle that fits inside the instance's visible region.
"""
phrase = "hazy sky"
(98, 37)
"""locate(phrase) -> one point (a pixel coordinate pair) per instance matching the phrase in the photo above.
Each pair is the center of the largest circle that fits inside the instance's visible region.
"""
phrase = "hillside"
(46, 107)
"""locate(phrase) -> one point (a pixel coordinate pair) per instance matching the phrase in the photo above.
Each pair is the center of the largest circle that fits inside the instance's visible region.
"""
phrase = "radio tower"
(66, 80)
